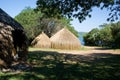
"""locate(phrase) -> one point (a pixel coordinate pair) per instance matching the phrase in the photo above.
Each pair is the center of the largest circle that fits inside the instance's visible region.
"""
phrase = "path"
(91, 50)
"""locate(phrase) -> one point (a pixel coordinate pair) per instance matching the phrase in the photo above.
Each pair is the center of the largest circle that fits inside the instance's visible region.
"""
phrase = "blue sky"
(99, 17)
(14, 7)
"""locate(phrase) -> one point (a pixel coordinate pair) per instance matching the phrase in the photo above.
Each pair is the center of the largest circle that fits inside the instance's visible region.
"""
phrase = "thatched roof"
(64, 39)
(41, 41)
(13, 39)
(7, 20)
(18, 33)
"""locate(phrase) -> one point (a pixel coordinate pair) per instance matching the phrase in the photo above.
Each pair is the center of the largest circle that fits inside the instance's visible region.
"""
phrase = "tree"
(28, 19)
(92, 38)
(34, 23)
(77, 8)
(106, 36)
(115, 31)
(64, 22)
(51, 25)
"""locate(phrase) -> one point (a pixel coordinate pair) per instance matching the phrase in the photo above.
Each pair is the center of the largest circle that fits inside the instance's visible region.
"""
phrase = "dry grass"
(41, 41)
(64, 39)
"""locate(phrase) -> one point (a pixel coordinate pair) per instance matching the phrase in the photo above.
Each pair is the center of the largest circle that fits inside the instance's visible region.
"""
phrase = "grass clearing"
(51, 65)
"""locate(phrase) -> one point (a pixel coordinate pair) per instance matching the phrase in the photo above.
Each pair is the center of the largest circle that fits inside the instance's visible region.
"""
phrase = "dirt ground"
(91, 50)
(86, 50)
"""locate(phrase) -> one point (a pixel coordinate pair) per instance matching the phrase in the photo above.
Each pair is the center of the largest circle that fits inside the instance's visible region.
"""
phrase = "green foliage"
(92, 38)
(34, 23)
(67, 24)
(108, 36)
(29, 20)
(77, 8)
(116, 34)
(52, 25)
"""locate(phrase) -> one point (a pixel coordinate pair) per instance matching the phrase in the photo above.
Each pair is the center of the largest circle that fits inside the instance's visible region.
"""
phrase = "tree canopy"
(35, 22)
(108, 36)
(28, 19)
(78, 8)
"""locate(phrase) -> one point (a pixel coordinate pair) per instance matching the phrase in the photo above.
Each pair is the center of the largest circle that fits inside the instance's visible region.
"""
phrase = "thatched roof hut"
(41, 41)
(64, 39)
(12, 38)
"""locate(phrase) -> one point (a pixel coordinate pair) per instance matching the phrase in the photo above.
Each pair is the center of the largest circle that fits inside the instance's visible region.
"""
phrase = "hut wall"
(11, 43)
(68, 46)
(42, 44)
(7, 49)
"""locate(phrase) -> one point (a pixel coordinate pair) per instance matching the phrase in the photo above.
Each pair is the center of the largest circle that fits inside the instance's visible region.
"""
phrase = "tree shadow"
(60, 66)
(102, 48)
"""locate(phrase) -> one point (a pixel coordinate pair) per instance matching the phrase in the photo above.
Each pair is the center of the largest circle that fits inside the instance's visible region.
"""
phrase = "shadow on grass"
(57, 66)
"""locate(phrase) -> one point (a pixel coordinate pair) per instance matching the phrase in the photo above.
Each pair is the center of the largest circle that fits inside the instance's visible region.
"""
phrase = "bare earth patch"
(89, 50)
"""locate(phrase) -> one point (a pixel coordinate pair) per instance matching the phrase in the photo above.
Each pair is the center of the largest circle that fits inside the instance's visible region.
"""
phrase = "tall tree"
(116, 34)
(77, 8)
(34, 23)
(106, 36)
(28, 18)
(92, 38)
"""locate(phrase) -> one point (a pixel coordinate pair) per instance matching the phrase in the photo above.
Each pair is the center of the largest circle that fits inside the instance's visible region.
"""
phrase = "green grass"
(51, 65)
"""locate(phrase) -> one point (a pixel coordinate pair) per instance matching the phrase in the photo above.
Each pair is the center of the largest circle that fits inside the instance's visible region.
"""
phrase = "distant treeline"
(107, 35)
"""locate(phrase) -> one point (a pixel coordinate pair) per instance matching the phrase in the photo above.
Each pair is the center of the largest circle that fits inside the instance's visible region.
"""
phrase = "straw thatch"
(12, 39)
(41, 41)
(64, 39)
